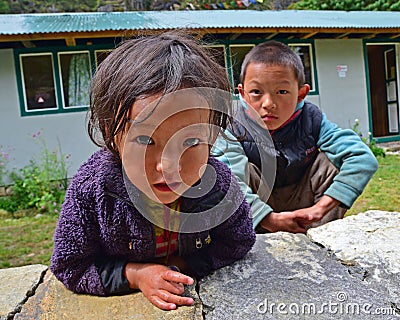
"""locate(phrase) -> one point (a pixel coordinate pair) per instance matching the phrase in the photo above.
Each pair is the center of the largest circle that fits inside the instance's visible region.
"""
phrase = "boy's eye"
(191, 142)
(282, 91)
(146, 140)
(255, 92)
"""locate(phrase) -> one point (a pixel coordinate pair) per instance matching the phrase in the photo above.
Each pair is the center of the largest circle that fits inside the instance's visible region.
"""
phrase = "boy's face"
(273, 91)
(167, 151)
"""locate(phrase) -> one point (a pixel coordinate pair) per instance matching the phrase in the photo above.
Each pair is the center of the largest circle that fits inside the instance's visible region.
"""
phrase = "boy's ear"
(303, 92)
(241, 90)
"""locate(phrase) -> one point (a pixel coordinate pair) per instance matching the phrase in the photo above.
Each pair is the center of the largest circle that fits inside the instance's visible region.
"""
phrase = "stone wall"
(5, 191)
(346, 269)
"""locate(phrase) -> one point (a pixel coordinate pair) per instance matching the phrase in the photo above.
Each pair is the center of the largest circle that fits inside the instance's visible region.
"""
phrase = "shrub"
(370, 142)
(41, 185)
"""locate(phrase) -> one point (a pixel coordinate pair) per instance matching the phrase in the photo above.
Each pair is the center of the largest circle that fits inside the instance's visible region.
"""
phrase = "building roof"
(299, 23)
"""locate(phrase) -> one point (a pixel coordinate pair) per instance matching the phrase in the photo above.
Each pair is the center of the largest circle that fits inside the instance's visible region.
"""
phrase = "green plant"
(347, 5)
(41, 185)
(370, 142)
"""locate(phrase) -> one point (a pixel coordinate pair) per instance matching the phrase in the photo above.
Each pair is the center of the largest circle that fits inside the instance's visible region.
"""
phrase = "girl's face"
(273, 91)
(166, 148)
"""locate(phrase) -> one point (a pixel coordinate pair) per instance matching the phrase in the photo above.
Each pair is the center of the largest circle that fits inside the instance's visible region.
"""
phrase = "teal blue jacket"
(343, 147)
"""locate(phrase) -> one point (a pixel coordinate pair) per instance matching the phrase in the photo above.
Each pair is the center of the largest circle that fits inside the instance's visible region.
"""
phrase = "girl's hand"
(162, 286)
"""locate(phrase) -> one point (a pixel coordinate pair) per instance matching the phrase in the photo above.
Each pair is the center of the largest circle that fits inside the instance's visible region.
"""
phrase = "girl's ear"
(241, 90)
(303, 92)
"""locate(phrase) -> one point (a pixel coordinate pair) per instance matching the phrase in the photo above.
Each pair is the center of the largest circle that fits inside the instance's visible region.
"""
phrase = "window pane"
(218, 53)
(101, 55)
(390, 63)
(38, 81)
(238, 52)
(75, 75)
(304, 51)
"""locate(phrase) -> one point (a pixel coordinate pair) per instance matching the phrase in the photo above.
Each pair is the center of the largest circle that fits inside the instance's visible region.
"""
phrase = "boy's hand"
(162, 286)
(317, 211)
(296, 221)
(290, 221)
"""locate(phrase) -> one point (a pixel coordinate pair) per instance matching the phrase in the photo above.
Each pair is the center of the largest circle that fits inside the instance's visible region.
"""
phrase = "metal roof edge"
(76, 22)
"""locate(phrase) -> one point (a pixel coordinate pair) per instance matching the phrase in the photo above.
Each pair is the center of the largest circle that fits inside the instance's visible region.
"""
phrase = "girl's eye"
(146, 140)
(282, 91)
(191, 142)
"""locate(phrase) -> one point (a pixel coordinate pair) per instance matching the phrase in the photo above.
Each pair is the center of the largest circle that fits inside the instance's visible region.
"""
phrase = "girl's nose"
(168, 165)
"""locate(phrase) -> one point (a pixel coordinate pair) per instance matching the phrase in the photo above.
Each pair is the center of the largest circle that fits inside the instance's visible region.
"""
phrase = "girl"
(151, 209)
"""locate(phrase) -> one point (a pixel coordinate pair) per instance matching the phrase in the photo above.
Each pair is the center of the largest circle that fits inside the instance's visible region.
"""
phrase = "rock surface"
(346, 269)
(53, 301)
(286, 276)
(368, 243)
(16, 285)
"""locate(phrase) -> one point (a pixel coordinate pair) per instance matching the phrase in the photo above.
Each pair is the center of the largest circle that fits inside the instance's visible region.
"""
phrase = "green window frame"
(75, 76)
(100, 55)
(219, 53)
(54, 70)
(307, 57)
(58, 71)
(37, 89)
(236, 50)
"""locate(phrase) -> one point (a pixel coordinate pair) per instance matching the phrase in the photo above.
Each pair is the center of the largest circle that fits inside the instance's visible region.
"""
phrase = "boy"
(320, 168)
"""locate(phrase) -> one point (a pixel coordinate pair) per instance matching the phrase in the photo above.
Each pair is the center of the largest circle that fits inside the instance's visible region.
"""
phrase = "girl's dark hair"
(145, 66)
(274, 53)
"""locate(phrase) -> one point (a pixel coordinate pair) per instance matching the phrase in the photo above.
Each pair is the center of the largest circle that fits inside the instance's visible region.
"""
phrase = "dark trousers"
(304, 194)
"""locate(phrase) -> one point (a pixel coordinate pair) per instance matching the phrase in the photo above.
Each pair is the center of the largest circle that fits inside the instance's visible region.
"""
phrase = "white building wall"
(342, 96)
(342, 99)
(67, 129)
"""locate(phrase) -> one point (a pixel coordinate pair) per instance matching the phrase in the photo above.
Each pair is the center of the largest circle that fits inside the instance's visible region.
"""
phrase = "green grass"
(382, 192)
(29, 240)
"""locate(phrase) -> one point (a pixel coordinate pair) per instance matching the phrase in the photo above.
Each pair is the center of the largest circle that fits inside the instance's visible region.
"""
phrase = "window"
(304, 50)
(58, 81)
(100, 55)
(38, 82)
(391, 90)
(305, 53)
(218, 52)
(54, 81)
(238, 52)
(75, 78)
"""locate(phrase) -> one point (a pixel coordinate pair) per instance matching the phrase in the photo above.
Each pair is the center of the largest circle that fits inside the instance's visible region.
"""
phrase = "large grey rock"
(286, 276)
(369, 244)
(53, 301)
(346, 269)
(16, 285)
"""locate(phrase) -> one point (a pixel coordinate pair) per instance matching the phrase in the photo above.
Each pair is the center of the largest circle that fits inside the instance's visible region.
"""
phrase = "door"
(384, 90)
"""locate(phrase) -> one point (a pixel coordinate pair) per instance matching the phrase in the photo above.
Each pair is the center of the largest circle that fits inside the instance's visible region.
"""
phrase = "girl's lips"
(167, 187)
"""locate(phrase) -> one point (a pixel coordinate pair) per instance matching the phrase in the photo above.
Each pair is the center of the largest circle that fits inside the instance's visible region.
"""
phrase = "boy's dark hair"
(145, 66)
(274, 53)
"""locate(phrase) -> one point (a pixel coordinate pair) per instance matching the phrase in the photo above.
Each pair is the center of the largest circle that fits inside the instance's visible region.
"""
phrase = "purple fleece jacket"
(100, 229)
